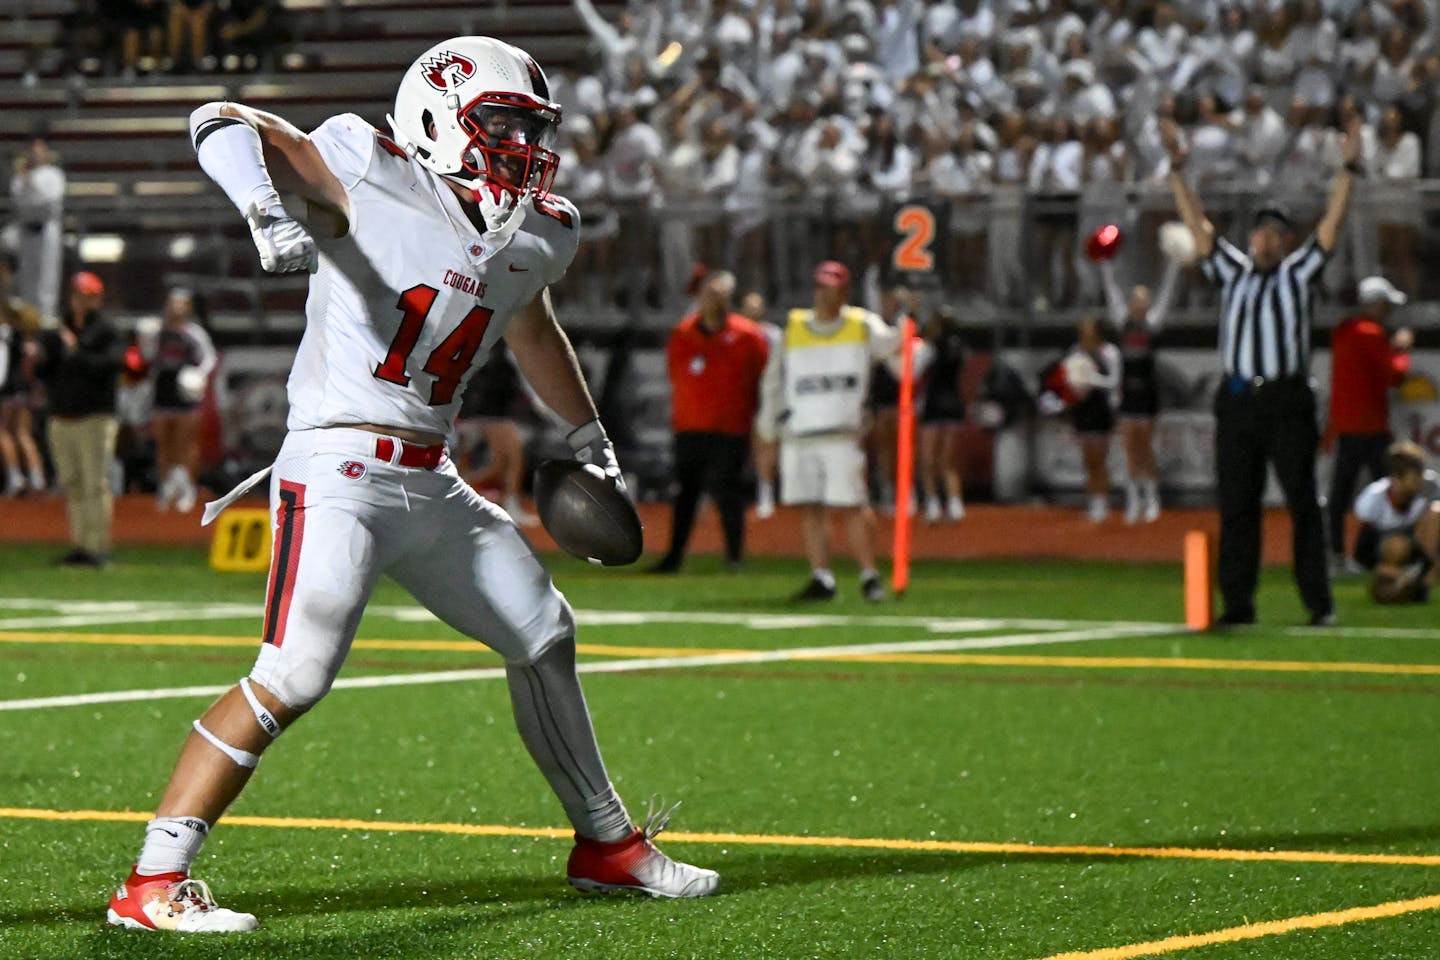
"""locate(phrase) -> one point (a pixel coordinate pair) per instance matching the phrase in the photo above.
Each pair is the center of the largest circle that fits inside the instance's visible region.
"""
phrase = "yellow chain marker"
(242, 541)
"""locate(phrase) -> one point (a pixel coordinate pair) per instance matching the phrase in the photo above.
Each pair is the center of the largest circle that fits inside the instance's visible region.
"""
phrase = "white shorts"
(341, 516)
(826, 470)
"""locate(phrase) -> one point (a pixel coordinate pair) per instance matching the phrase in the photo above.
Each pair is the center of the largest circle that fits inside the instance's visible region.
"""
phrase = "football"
(586, 515)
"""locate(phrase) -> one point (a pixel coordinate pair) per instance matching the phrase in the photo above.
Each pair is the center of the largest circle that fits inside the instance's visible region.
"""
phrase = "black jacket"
(81, 382)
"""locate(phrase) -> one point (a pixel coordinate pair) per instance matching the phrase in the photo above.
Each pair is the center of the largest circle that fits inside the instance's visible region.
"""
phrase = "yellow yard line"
(450, 646)
(616, 650)
(1250, 931)
(1137, 663)
(776, 840)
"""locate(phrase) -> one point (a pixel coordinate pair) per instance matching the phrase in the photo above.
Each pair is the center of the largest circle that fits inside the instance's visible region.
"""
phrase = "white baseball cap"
(1373, 289)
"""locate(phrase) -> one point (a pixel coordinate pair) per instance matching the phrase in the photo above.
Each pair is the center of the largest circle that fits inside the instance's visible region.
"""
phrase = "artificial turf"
(825, 772)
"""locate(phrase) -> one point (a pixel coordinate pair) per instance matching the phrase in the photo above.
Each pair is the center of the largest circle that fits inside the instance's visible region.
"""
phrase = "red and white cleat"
(636, 864)
(172, 901)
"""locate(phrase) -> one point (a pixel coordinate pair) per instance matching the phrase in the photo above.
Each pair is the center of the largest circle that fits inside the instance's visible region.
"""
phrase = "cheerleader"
(1092, 372)
(1138, 319)
(181, 358)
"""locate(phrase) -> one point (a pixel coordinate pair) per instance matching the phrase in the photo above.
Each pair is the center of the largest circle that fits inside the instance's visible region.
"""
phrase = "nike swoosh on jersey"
(515, 269)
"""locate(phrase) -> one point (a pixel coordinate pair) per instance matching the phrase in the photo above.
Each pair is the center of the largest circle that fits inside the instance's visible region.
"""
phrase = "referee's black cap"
(1275, 214)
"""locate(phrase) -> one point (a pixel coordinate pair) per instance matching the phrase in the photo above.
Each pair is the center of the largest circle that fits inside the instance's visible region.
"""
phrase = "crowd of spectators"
(707, 109)
(132, 38)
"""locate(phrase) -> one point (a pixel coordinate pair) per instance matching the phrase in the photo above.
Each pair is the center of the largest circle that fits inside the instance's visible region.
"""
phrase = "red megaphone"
(1104, 243)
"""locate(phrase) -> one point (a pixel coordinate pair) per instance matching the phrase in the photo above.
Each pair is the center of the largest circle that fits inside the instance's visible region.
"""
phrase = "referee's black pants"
(709, 463)
(1273, 422)
(1353, 452)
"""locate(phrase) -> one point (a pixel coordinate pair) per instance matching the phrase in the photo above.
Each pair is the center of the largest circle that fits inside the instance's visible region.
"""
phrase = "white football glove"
(591, 445)
(284, 245)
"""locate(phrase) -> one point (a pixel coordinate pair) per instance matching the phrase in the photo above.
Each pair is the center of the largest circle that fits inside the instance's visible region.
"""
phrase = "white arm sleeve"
(229, 151)
(1160, 306)
(206, 357)
(884, 339)
(1114, 297)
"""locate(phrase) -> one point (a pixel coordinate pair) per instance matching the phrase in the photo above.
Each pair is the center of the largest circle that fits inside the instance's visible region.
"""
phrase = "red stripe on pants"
(285, 561)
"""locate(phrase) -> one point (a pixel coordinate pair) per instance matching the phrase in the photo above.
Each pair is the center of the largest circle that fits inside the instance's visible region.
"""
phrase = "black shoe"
(81, 558)
(668, 565)
(872, 589)
(815, 590)
(1227, 620)
(1322, 619)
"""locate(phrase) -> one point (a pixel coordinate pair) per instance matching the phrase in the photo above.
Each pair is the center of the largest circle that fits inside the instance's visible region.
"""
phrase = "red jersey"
(715, 377)
(1363, 368)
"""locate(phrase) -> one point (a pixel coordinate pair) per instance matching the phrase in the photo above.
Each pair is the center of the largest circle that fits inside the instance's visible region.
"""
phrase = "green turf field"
(1014, 762)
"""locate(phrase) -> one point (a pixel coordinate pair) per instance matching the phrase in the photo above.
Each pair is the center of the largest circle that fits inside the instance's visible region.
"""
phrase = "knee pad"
(297, 681)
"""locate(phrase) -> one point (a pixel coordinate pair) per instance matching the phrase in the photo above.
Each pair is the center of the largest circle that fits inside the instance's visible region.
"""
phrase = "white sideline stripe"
(621, 666)
(1388, 633)
(97, 613)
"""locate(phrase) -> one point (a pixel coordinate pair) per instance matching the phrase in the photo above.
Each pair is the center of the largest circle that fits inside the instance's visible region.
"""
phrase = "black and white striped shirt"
(1265, 317)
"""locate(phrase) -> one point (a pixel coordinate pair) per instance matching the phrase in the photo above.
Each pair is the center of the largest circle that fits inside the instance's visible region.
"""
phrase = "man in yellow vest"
(813, 398)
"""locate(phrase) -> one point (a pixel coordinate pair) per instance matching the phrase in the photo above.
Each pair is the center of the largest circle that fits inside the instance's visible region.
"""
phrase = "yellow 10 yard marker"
(242, 541)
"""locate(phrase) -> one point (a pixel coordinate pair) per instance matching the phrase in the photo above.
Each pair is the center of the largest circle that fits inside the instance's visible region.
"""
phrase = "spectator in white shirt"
(1111, 33)
(1055, 175)
(1232, 58)
(580, 178)
(1305, 163)
(620, 40)
(1313, 44)
(1260, 136)
(961, 175)
(1394, 74)
(631, 164)
(1274, 59)
(1394, 169)
(1084, 98)
(897, 38)
(1212, 145)
(1359, 47)
(1160, 45)
(37, 197)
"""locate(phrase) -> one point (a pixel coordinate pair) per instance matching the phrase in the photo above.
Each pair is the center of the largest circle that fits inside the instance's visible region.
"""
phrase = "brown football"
(586, 515)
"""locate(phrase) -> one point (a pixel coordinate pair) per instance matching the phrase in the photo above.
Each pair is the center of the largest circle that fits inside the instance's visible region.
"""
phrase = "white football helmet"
(479, 109)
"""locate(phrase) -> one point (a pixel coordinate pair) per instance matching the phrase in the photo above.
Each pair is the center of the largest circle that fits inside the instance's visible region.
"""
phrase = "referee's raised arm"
(1191, 212)
(1327, 232)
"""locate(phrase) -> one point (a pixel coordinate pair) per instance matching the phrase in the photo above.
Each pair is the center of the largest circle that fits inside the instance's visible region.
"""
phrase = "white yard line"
(100, 613)
(631, 665)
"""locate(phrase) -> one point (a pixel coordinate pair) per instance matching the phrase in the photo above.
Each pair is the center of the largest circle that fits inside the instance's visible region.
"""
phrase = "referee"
(1265, 407)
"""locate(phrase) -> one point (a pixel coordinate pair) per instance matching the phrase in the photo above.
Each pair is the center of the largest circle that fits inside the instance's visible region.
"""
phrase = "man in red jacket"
(1366, 360)
(715, 358)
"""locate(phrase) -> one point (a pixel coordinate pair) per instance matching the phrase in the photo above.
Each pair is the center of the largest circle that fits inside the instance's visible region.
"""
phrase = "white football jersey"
(405, 305)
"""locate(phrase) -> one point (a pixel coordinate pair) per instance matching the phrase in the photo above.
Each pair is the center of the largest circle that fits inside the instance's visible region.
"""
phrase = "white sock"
(867, 573)
(826, 578)
(37, 480)
(1150, 489)
(171, 845)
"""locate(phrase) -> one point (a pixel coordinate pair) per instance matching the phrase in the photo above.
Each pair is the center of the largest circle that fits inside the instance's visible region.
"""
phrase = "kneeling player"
(1400, 527)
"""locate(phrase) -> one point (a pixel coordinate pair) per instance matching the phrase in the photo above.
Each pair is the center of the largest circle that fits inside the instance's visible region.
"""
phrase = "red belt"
(411, 454)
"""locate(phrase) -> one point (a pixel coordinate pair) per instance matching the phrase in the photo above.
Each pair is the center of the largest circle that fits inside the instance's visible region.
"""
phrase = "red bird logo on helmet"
(442, 63)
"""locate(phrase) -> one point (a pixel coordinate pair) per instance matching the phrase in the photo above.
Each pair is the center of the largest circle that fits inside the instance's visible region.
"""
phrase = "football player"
(427, 245)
